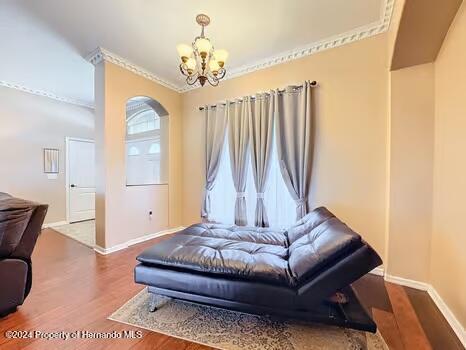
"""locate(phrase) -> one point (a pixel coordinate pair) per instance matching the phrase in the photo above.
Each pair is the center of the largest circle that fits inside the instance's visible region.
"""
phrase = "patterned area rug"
(231, 330)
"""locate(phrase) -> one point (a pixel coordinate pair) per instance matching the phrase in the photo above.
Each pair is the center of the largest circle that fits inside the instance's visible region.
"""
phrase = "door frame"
(67, 170)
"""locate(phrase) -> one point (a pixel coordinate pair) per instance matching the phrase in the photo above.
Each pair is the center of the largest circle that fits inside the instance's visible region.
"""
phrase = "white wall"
(29, 123)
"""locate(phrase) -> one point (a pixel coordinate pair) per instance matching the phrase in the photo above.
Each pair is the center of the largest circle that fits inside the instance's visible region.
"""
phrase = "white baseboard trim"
(54, 224)
(115, 248)
(448, 314)
(378, 271)
(406, 282)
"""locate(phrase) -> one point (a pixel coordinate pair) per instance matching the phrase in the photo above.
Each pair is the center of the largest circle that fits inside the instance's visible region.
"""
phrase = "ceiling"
(47, 41)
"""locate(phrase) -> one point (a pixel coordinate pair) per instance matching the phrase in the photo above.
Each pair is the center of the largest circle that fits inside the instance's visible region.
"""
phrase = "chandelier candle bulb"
(221, 56)
(214, 66)
(200, 62)
(191, 65)
(204, 46)
(184, 51)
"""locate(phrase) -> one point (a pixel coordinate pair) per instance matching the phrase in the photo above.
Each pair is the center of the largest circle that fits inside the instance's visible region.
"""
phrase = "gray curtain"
(294, 140)
(261, 137)
(216, 119)
(238, 139)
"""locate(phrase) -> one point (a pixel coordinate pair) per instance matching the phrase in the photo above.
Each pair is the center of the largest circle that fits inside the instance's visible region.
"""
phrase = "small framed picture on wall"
(51, 157)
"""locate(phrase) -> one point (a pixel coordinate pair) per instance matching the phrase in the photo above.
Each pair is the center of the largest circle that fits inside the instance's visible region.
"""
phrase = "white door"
(81, 180)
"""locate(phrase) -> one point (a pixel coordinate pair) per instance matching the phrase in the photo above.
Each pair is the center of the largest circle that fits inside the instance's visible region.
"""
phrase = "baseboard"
(378, 271)
(406, 282)
(115, 248)
(448, 314)
(54, 224)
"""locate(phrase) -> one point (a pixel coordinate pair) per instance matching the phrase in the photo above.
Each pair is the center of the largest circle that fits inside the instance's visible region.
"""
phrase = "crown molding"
(44, 93)
(100, 54)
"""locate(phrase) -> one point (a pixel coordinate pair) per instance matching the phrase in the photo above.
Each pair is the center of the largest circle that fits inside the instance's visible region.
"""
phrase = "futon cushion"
(262, 235)
(221, 256)
(285, 258)
(308, 223)
(321, 247)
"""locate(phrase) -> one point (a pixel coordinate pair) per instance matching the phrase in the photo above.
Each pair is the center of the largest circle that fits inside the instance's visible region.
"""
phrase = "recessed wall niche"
(147, 125)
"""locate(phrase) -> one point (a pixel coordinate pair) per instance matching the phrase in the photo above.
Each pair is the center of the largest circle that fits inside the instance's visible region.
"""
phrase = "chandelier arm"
(221, 73)
(183, 70)
(192, 79)
(212, 80)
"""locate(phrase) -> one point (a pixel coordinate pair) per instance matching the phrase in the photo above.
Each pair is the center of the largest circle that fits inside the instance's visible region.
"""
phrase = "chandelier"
(199, 61)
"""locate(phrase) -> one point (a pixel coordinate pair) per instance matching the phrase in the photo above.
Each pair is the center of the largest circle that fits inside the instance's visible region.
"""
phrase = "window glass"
(280, 206)
(146, 142)
(154, 148)
(133, 151)
(143, 121)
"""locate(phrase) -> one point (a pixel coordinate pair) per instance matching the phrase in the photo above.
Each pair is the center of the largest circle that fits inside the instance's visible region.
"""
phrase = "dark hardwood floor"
(75, 288)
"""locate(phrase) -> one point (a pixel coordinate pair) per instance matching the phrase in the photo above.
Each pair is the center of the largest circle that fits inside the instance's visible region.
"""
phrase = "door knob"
(72, 185)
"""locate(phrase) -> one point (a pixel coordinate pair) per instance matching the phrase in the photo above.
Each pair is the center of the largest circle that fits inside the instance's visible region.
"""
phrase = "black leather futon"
(303, 272)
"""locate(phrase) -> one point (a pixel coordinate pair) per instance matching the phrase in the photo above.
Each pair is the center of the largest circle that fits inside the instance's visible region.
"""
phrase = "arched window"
(133, 151)
(154, 148)
(144, 121)
(146, 142)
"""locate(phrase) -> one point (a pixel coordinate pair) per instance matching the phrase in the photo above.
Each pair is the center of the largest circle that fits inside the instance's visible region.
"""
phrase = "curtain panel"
(267, 128)
(238, 139)
(294, 140)
(261, 137)
(216, 119)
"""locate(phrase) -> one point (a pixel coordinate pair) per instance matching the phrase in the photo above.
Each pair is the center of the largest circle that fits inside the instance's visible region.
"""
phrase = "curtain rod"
(313, 83)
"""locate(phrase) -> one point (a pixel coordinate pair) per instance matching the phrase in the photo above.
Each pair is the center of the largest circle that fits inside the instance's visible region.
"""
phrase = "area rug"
(83, 232)
(231, 330)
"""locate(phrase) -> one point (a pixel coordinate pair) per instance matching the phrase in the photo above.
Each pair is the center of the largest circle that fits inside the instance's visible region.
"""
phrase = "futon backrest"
(308, 223)
(319, 240)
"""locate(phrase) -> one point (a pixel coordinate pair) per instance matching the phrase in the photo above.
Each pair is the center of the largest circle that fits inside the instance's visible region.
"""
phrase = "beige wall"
(448, 264)
(29, 123)
(411, 170)
(351, 119)
(122, 212)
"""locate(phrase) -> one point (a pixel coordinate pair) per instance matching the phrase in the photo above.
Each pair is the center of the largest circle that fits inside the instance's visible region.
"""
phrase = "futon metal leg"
(152, 302)
(339, 299)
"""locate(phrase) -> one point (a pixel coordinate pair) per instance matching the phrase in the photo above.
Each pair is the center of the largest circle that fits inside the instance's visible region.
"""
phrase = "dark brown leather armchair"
(20, 225)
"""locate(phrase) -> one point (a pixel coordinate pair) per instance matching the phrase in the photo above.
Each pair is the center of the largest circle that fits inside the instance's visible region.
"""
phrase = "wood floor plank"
(411, 331)
(436, 327)
(371, 290)
(388, 327)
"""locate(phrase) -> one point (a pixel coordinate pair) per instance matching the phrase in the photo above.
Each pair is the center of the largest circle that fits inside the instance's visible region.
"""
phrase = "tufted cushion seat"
(285, 258)
(223, 256)
(239, 233)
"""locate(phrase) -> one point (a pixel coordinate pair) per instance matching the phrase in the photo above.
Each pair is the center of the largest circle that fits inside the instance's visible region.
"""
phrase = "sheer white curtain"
(281, 208)
(223, 195)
